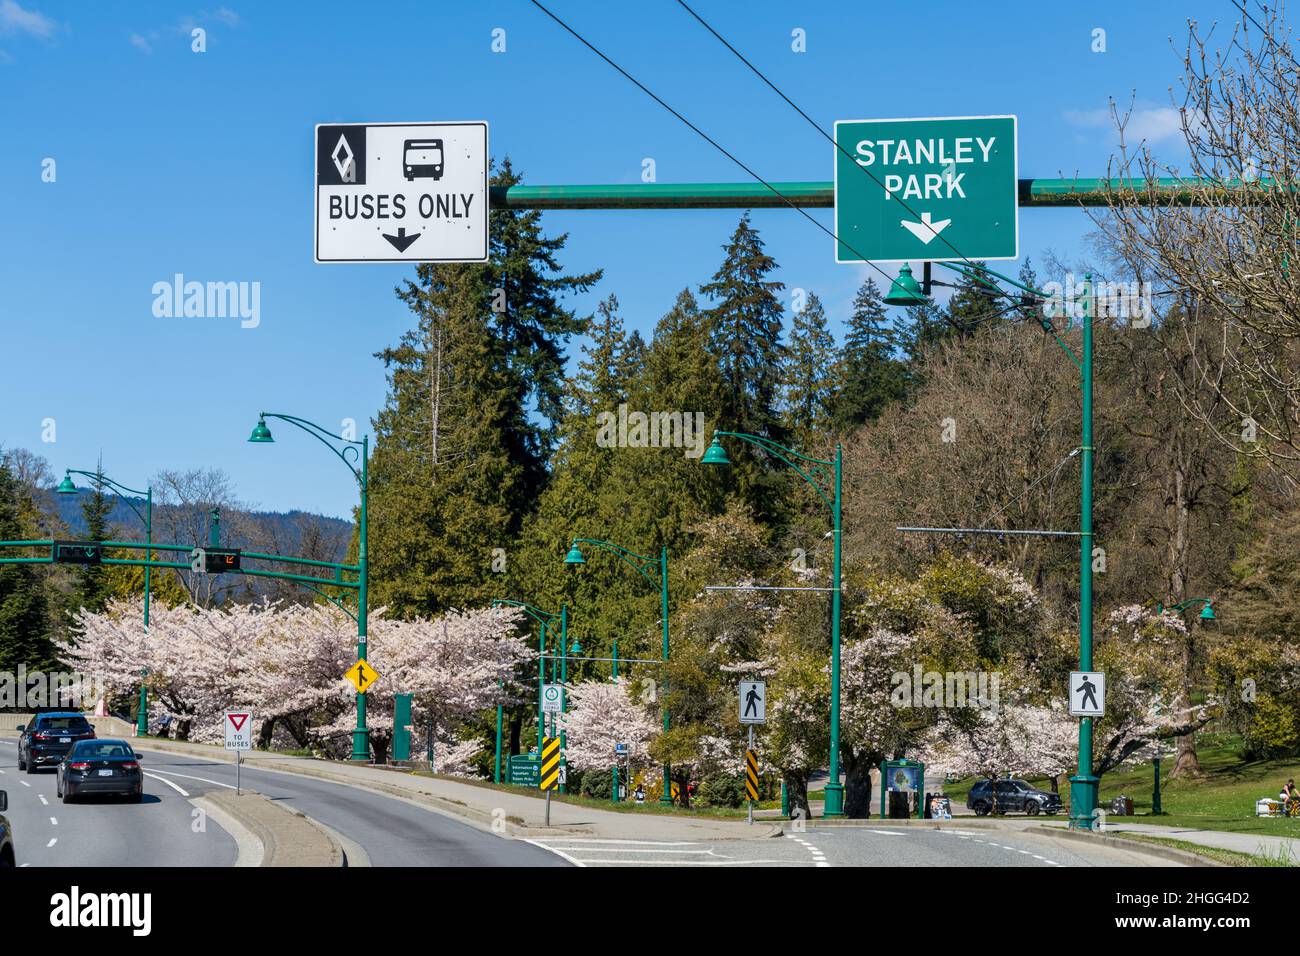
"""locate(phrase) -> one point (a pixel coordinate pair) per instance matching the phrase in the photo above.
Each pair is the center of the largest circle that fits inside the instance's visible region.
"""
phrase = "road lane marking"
(626, 842)
(168, 782)
(53, 840)
(24, 783)
(54, 821)
(559, 853)
(217, 783)
(614, 849)
(886, 832)
(44, 802)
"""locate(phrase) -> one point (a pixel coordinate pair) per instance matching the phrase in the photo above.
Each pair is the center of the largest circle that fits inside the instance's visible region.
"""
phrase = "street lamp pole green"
(907, 291)
(643, 565)
(347, 450)
(66, 487)
(826, 480)
(543, 618)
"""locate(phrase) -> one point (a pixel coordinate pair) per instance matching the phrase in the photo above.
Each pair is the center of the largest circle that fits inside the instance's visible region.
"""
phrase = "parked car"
(100, 766)
(7, 860)
(1011, 796)
(49, 736)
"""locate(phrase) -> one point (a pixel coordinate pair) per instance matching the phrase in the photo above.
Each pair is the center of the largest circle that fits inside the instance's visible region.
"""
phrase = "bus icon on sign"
(422, 158)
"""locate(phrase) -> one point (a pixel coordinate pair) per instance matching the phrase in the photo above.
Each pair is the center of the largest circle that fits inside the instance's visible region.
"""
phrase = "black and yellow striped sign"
(751, 774)
(549, 778)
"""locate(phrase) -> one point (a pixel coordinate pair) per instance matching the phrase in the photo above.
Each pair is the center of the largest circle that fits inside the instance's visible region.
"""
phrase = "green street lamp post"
(906, 291)
(348, 451)
(826, 480)
(66, 487)
(643, 565)
(543, 619)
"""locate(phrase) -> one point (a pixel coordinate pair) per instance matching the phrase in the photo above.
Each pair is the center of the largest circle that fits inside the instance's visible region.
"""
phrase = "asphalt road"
(854, 846)
(159, 831)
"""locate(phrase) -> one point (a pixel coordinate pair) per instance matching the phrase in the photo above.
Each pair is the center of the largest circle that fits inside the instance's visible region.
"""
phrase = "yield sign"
(239, 729)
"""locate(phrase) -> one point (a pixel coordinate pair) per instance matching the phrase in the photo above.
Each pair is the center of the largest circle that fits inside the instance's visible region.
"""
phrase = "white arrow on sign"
(926, 229)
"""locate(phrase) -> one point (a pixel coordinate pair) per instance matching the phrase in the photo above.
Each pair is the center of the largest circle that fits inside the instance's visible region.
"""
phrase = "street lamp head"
(574, 556)
(905, 290)
(66, 487)
(716, 454)
(1207, 612)
(575, 648)
(260, 432)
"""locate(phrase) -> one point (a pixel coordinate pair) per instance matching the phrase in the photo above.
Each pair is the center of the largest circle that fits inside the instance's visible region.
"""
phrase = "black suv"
(1011, 796)
(49, 736)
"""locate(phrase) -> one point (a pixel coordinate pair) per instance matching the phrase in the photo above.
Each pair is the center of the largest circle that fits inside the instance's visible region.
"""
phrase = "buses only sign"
(402, 192)
(939, 189)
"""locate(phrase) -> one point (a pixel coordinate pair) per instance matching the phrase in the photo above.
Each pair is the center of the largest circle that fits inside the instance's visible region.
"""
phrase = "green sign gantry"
(942, 189)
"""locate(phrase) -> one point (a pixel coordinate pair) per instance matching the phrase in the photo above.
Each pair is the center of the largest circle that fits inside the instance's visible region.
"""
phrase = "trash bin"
(900, 806)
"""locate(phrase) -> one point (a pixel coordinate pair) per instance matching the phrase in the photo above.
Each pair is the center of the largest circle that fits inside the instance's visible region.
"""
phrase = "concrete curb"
(1174, 854)
(456, 809)
(287, 837)
(250, 850)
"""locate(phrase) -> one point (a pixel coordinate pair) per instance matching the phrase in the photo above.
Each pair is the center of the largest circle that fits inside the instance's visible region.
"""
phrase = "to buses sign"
(926, 189)
(413, 192)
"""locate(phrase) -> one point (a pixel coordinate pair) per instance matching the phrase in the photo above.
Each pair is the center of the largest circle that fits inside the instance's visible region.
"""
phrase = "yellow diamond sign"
(362, 675)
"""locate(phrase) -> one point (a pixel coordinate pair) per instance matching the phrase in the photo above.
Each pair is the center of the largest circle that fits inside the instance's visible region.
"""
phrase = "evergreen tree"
(871, 376)
(745, 333)
(93, 588)
(807, 374)
(475, 394)
(24, 620)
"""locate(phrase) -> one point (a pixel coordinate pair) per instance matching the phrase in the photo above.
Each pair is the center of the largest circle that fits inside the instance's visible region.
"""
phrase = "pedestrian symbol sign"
(362, 675)
(402, 192)
(942, 189)
(1087, 694)
(753, 702)
(239, 729)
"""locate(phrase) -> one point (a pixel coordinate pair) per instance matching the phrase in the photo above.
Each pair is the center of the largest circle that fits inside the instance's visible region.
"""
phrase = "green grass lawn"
(1222, 798)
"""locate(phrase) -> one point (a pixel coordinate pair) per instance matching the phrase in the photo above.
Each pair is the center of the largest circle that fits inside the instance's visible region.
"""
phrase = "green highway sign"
(77, 552)
(942, 189)
(524, 770)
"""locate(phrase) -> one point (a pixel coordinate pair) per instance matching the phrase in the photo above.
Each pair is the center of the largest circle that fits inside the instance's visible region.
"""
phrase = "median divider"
(271, 834)
(1173, 854)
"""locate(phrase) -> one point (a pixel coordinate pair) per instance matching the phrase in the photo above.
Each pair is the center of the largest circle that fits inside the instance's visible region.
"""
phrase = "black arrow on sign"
(402, 241)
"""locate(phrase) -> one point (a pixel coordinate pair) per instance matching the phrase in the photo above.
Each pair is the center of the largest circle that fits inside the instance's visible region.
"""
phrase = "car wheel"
(22, 764)
(981, 808)
(66, 795)
(31, 764)
(1032, 808)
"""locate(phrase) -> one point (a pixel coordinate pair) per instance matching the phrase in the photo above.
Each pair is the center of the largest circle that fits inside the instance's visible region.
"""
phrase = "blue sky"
(170, 161)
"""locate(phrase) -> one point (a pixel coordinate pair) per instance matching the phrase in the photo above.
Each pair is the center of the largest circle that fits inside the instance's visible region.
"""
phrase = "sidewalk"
(1253, 843)
(498, 810)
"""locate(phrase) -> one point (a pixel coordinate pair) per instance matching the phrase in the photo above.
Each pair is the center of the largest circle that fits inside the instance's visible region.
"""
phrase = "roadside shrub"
(721, 790)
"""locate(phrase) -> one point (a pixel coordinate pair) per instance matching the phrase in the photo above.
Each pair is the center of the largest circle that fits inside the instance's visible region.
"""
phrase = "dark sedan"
(49, 736)
(100, 766)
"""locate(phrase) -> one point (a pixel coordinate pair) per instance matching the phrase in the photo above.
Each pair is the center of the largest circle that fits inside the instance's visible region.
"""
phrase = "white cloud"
(1150, 123)
(224, 15)
(15, 19)
(140, 43)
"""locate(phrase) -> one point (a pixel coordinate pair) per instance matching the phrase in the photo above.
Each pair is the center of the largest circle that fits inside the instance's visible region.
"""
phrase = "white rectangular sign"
(753, 702)
(402, 192)
(552, 698)
(1087, 694)
(239, 729)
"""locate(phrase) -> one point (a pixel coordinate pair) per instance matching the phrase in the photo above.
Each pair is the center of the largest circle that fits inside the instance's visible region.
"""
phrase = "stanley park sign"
(926, 189)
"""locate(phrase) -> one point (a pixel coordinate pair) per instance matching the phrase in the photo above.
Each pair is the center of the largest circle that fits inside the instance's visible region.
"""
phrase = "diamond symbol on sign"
(342, 157)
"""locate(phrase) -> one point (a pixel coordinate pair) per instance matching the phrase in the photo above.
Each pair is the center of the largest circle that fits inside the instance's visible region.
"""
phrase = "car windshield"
(102, 748)
(75, 725)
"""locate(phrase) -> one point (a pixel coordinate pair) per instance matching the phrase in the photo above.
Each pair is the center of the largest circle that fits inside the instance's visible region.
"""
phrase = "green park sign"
(942, 189)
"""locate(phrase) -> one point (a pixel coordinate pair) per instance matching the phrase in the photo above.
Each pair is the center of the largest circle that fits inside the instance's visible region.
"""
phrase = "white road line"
(560, 853)
(168, 782)
(624, 842)
(24, 783)
(173, 773)
(44, 802)
(695, 862)
(54, 821)
(886, 832)
(53, 840)
(614, 849)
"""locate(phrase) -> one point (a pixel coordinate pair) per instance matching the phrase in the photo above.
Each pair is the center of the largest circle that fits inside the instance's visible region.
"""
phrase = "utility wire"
(708, 139)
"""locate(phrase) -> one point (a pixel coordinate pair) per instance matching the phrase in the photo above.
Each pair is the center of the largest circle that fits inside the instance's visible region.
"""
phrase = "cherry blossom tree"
(602, 714)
